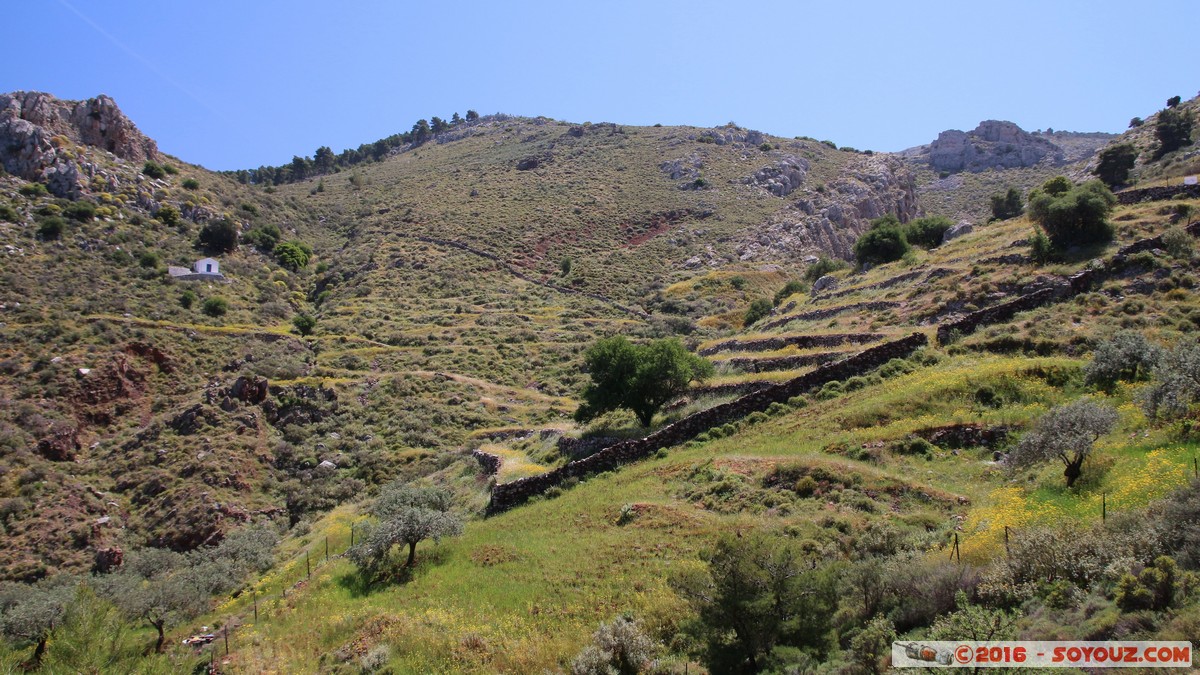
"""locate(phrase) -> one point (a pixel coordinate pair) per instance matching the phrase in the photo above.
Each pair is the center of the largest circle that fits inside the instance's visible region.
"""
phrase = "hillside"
(454, 285)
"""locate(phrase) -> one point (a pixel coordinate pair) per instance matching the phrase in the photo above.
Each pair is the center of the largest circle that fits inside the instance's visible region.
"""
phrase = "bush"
(927, 232)
(9, 214)
(1115, 164)
(219, 236)
(619, 647)
(759, 309)
(293, 255)
(738, 282)
(789, 289)
(169, 215)
(51, 228)
(80, 211)
(153, 170)
(187, 299)
(304, 323)
(34, 190)
(824, 265)
(1007, 205)
(1040, 248)
(263, 237)
(216, 306)
(1073, 216)
(883, 243)
(1173, 130)
(148, 259)
(190, 183)
(1178, 243)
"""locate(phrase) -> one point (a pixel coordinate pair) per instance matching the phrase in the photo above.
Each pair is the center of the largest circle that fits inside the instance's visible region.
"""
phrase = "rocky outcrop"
(61, 444)
(782, 178)
(994, 144)
(37, 130)
(831, 217)
(955, 231)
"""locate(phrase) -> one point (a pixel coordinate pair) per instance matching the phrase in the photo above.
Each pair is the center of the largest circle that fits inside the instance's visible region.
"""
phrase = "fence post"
(351, 535)
(226, 628)
(1104, 507)
(1007, 553)
(307, 567)
(326, 549)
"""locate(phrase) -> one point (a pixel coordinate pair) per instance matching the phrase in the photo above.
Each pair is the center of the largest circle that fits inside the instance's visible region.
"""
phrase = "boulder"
(956, 231)
(825, 283)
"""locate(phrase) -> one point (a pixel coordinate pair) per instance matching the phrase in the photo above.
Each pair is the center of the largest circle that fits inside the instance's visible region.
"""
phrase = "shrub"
(824, 265)
(51, 228)
(264, 237)
(1007, 205)
(1178, 243)
(34, 190)
(187, 299)
(148, 259)
(375, 659)
(9, 214)
(564, 267)
(738, 282)
(1073, 216)
(153, 170)
(1040, 248)
(190, 183)
(618, 648)
(293, 255)
(789, 289)
(219, 236)
(883, 243)
(927, 232)
(1115, 164)
(759, 309)
(81, 211)
(215, 306)
(169, 215)
(304, 323)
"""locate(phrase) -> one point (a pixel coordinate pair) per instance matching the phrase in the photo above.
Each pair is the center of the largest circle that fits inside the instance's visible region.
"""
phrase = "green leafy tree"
(472, 116)
(824, 265)
(755, 595)
(219, 236)
(1073, 215)
(1173, 130)
(1174, 101)
(1115, 164)
(758, 310)
(30, 613)
(641, 378)
(304, 323)
(1007, 204)
(437, 125)
(883, 243)
(1136, 122)
(324, 160)
(1067, 433)
(293, 255)
(420, 132)
(405, 516)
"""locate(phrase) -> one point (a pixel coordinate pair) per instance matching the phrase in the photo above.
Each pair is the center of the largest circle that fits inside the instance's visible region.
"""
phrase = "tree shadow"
(359, 585)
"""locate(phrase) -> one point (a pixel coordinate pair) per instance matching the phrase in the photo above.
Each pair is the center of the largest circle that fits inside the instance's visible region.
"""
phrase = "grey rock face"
(33, 126)
(956, 231)
(993, 144)
(780, 179)
(825, 283)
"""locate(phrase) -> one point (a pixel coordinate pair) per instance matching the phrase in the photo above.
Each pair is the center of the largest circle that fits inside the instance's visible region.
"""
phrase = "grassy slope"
(515, 595)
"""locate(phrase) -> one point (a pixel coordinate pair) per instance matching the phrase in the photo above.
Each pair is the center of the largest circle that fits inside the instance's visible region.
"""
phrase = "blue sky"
(239, 83)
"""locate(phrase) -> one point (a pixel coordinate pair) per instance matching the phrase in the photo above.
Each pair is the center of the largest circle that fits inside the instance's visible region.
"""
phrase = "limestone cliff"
(37, 130)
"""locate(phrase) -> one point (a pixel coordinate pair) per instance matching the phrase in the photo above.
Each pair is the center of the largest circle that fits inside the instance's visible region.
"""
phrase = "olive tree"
(30, 613)
(1126, 356)
(1176, 383)
(160, 588)
(1066, 433)
(405, 515)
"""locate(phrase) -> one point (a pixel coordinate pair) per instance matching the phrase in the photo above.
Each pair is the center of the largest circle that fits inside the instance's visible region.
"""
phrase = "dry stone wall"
(1154, 194)
(799, 341)
(507, 495)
